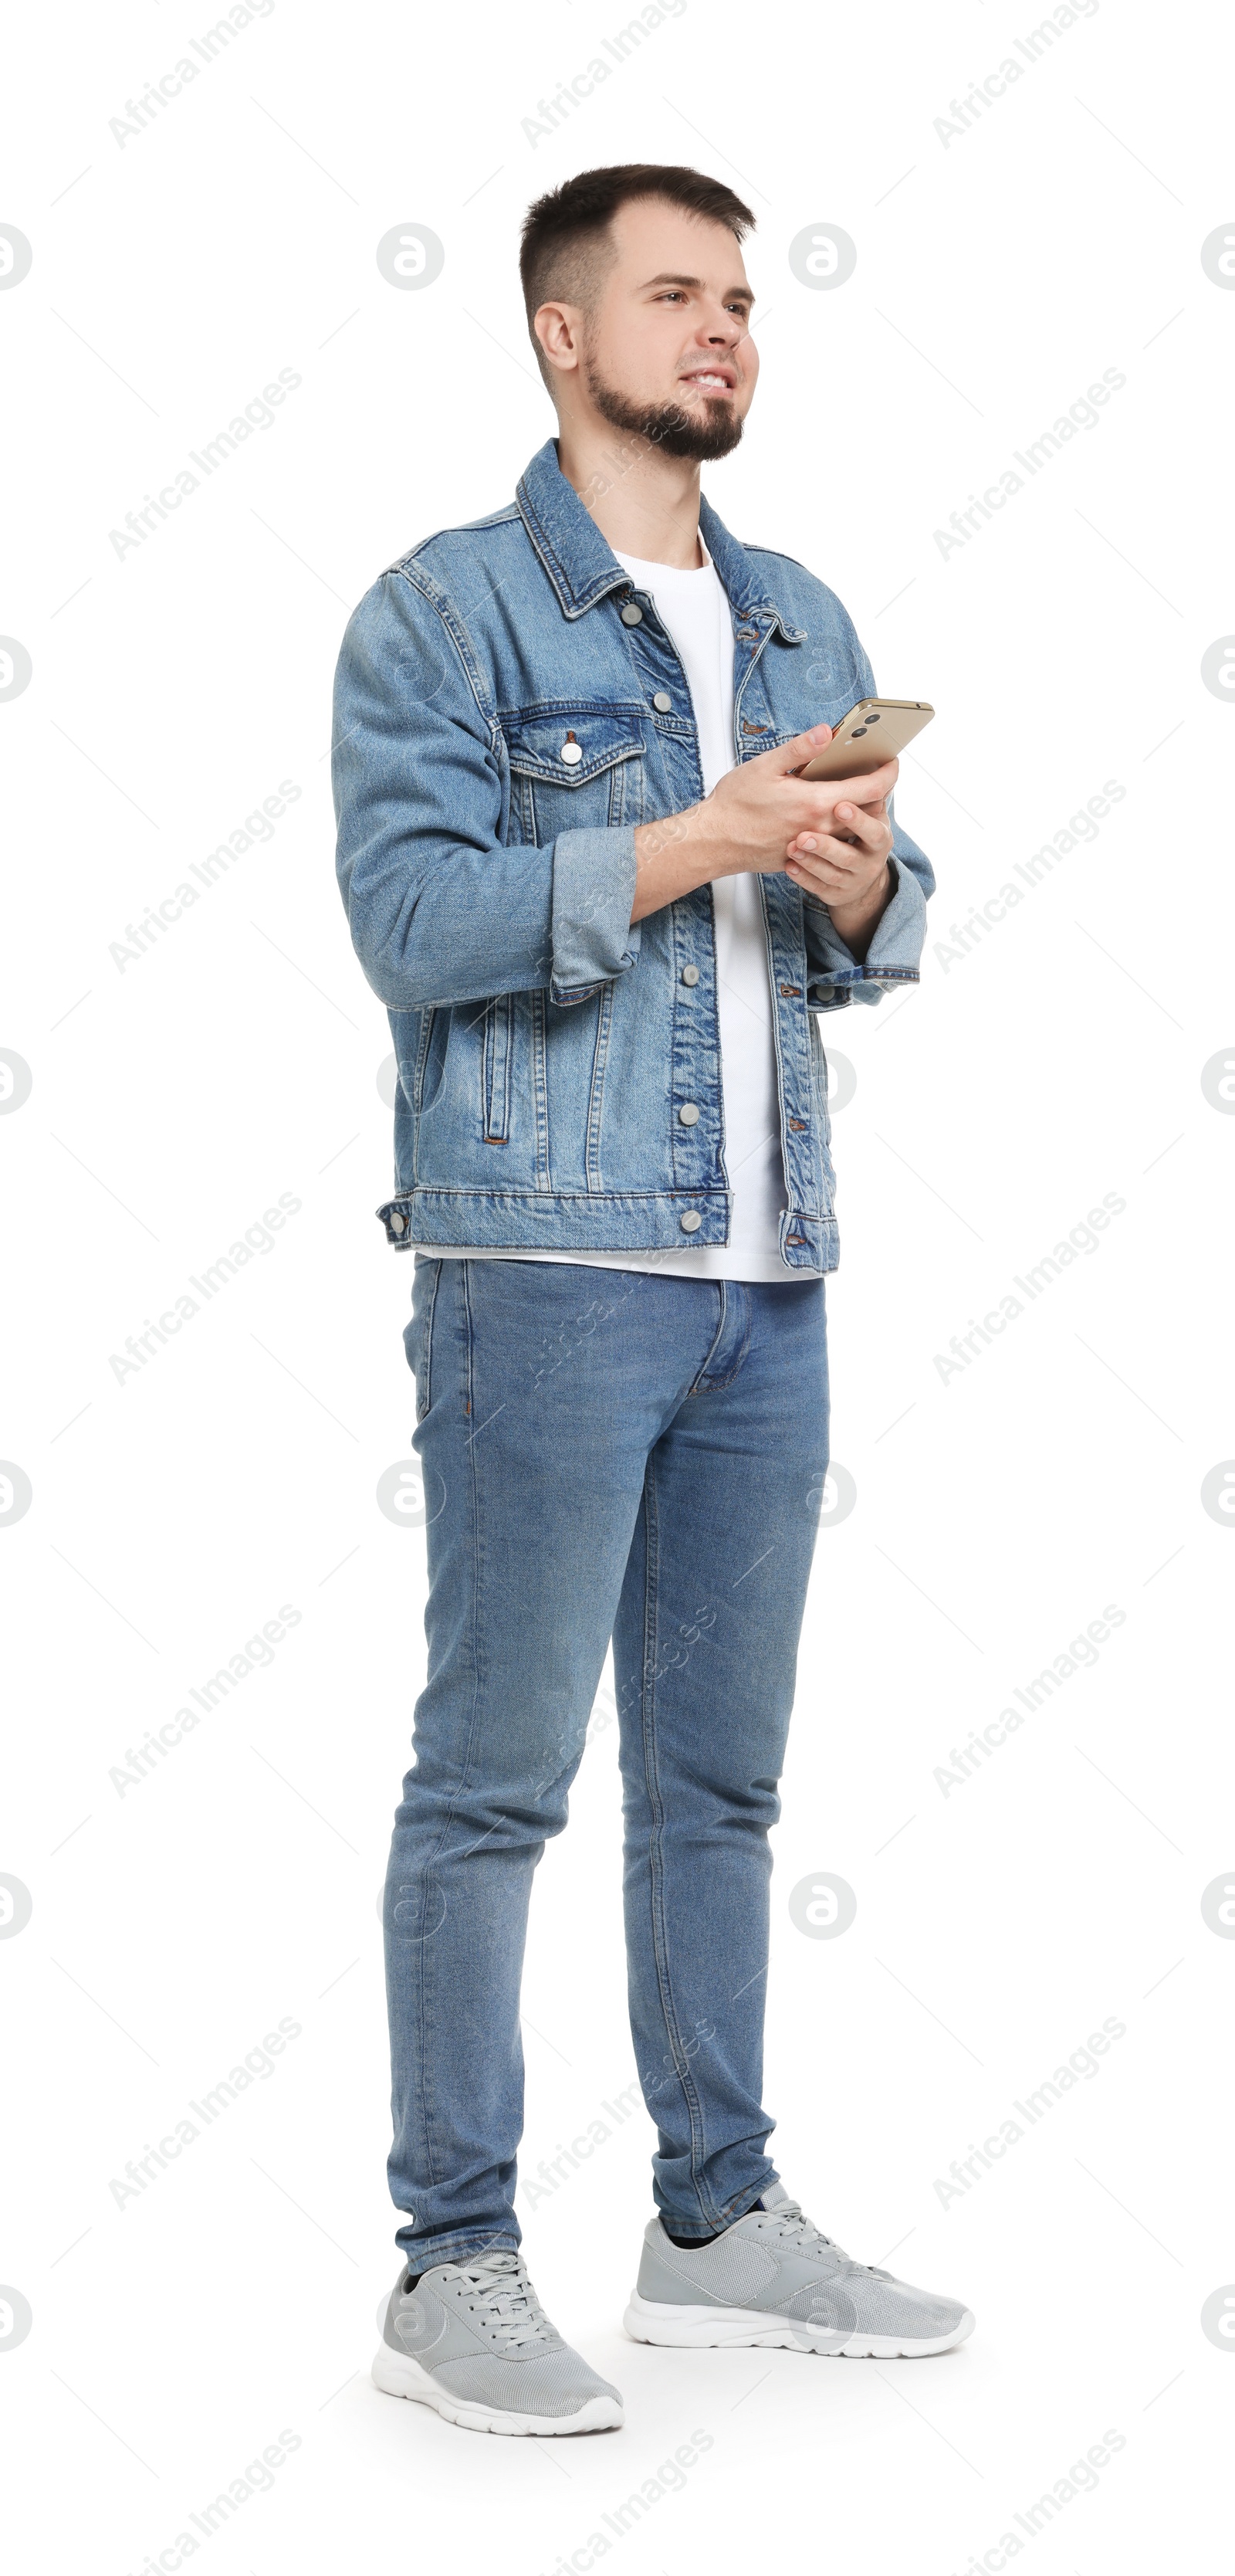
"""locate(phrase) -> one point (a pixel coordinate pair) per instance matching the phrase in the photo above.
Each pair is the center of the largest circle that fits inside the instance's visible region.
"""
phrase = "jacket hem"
(590, 1221)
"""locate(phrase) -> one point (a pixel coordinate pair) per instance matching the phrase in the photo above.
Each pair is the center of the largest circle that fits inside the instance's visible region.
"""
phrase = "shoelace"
(509, 2310)
(790, 2219)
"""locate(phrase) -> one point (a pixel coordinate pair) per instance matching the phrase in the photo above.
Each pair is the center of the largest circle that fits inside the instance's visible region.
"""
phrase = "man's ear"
(559, 329)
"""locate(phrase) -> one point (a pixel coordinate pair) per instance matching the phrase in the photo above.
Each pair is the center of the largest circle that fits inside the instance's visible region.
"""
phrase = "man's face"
(667, 351)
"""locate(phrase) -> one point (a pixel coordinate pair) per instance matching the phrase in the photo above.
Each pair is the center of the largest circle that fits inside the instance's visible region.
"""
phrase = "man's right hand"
(748, 822)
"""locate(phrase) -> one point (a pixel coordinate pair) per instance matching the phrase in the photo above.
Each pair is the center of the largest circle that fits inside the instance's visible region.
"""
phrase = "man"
(603, 912)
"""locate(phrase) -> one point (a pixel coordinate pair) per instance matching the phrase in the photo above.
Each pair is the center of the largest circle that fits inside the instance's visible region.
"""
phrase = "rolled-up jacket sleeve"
(441, 909)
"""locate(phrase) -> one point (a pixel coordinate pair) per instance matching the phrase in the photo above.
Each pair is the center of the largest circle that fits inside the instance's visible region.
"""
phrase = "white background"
(174, 2336)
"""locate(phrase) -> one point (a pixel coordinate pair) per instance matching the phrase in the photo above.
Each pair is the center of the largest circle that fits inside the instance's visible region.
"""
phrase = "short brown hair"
(562, 247)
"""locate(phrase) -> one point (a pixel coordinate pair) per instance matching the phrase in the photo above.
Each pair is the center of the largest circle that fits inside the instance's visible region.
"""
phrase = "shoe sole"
(397, 2375)
(696, 2329)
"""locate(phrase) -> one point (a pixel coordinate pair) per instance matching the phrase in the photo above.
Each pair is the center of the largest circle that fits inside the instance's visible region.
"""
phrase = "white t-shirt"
(695, 610)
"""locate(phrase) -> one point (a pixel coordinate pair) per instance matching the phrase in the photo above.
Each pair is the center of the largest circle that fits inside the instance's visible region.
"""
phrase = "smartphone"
(872, 732)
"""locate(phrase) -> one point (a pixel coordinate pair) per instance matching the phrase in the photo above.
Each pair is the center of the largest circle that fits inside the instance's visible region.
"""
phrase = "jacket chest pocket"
(574, 768)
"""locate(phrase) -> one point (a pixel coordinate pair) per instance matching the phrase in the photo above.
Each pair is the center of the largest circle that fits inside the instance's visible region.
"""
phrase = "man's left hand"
(850, 874)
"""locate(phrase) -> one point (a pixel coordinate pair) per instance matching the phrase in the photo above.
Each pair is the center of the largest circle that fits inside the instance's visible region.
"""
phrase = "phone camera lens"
(870, 721)
(857, 733)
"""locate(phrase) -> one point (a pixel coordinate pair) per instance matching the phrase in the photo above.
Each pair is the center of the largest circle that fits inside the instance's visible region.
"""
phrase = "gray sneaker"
(773, 2280)
(473, 2340)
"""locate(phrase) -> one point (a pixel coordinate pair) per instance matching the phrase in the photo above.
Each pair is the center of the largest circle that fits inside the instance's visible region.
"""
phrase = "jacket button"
(632, 614)
(397, 1223)
(690, 1223)
(662, 702)
(688, 1114)
(690, 974)
(572, 754)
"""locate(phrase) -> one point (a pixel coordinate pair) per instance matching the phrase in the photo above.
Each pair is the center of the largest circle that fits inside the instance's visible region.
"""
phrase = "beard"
(668, 426)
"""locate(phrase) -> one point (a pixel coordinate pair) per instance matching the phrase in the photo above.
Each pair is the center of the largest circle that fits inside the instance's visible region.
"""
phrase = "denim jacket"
(508, 708)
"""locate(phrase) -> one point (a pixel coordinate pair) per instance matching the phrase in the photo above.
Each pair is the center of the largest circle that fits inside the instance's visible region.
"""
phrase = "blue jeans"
(605, 1454)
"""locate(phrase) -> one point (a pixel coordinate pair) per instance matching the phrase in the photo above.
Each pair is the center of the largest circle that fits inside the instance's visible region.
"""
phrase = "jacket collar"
(583, 568)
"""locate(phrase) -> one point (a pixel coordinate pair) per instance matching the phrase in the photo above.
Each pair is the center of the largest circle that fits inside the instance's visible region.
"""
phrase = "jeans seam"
(705, 1385)
(701, 1372)
(465, 1765)
(655, 1867)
